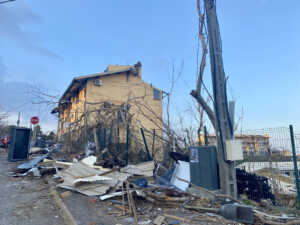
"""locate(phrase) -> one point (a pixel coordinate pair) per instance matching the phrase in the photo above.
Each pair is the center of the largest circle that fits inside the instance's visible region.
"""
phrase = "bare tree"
(175, 75)
(197, 94)
(3, 115)
(196, 112)
(41, 96)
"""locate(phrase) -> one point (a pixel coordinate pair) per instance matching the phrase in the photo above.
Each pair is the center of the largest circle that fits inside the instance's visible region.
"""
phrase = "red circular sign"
(34, 120)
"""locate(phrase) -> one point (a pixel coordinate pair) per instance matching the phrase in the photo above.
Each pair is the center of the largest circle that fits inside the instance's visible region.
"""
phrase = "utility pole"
(224, 125)
(18, 121)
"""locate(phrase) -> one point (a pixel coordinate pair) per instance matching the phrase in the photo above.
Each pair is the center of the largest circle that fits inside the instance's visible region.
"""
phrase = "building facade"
(91, 99)
(251, 144)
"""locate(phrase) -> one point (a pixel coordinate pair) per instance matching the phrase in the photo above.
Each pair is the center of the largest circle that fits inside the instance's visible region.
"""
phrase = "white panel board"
(182, 171)
(234, 150)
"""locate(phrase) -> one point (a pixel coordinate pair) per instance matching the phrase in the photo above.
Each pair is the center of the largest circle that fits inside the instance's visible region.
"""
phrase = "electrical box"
(234, 150)
(19, 144)
(204, 167)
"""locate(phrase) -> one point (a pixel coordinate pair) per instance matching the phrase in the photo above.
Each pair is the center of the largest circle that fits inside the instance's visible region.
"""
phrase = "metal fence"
(275, 139)
(297, 143)
(268, 152)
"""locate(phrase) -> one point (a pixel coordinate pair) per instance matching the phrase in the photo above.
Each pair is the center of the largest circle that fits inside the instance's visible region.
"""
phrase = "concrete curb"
(66, 214)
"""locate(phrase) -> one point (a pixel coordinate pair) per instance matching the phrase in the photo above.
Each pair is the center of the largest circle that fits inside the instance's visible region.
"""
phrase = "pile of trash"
(34, 166)
(124, 186)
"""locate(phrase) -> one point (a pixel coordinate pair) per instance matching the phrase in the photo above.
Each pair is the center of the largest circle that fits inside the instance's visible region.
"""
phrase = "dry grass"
(277, 176)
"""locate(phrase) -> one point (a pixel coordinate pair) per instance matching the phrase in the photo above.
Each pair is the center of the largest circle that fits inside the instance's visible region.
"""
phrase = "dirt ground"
(24, 201)
(92, 211)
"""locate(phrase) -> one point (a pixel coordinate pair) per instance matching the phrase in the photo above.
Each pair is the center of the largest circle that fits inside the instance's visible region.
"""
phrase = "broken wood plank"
(131, 203)
(123, 200)
(125, 208)
(128, 199)
(111, 213)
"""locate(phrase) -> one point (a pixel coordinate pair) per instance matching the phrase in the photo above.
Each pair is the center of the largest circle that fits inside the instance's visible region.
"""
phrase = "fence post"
(104, 138)
(127, 142)
(295, 164)
(205, 136)
(153, 148)
(146, 146)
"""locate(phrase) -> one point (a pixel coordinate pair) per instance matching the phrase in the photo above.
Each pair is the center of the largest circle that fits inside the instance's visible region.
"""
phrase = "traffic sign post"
(34, 121)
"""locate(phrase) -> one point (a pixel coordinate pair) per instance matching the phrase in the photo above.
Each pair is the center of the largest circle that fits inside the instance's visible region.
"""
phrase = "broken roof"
(77, 81)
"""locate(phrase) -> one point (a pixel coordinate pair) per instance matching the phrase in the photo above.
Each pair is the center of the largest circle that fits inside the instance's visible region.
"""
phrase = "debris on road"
(89, 181)
(134, 189)
(143, 169)
(159, 220)
(32, 163)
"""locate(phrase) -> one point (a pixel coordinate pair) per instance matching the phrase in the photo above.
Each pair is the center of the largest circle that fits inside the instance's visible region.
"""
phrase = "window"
(107, 105)
(156, 94)
(98, 82)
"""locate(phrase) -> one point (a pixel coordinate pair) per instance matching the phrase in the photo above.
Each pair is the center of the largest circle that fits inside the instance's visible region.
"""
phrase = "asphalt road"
(25, 201)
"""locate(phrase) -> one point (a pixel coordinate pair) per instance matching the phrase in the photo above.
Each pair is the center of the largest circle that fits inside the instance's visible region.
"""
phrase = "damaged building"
(112, 104)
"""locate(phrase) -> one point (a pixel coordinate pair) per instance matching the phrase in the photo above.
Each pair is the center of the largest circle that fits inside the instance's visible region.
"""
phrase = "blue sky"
(46, 43)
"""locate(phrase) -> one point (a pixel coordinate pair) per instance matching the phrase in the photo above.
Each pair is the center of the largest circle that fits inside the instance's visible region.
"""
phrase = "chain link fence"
(259, 144)
(268, 153)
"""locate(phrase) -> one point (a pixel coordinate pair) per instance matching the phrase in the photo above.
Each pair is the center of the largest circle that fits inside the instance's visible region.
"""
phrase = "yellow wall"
(146, 111)
(120, 89)
(71, 112)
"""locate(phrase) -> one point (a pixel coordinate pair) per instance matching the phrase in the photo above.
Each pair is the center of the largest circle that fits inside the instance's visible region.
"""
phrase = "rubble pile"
(145, 194)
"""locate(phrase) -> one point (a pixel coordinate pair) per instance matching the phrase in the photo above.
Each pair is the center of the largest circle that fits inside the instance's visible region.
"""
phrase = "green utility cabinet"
(19, 144)
(204, 167)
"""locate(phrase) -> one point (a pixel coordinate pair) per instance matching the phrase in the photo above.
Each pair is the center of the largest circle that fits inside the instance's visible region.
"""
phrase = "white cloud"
(12, 28)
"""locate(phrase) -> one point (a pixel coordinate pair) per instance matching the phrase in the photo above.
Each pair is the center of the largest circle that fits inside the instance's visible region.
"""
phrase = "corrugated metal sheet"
(89, 181)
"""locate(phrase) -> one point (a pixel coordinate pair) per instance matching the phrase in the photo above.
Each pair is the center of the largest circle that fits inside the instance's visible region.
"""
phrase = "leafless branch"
(205, 106)
(197, 94)
(41, 97)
